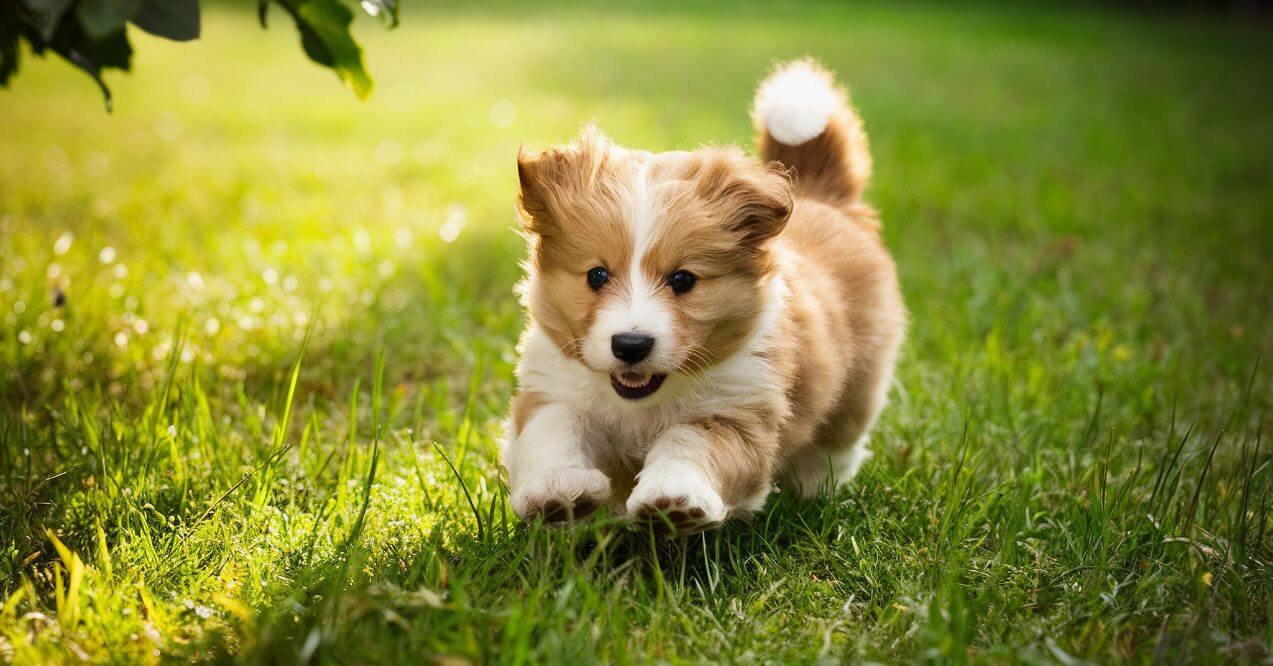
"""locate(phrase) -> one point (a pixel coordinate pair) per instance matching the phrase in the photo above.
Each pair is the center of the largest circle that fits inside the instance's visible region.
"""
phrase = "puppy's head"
(648, 265)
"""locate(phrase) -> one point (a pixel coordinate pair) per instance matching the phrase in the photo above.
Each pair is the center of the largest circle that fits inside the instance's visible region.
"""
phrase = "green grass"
(1074, 464)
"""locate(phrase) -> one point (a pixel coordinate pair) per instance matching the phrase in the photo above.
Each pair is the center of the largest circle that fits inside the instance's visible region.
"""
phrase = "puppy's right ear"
(557, 180)
(535, 175)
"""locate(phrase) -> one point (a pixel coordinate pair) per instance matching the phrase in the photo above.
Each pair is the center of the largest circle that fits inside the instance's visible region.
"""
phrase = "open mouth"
(635, 385)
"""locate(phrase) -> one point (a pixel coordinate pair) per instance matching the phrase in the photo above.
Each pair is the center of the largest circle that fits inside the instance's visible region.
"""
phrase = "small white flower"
(362, 241)
(456, 218)
(63, 243)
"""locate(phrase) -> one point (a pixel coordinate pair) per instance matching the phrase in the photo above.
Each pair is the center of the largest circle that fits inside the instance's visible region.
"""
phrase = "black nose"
(631, 347)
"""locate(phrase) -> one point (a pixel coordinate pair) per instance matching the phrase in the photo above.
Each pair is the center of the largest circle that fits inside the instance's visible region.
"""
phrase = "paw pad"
(561, 496)
(674, 514)
(561, 511)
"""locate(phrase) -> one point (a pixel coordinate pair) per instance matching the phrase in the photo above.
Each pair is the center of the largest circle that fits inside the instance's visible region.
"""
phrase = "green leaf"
(324, 28)
(45, 15)
(69, 39)
(112, 51)
(72, 42)
(10, 30)
(177, 20)
(92, 34)
(93, 56)
(100, 18)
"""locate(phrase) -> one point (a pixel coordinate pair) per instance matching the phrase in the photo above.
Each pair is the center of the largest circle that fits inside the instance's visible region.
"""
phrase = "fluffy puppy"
(702, 324)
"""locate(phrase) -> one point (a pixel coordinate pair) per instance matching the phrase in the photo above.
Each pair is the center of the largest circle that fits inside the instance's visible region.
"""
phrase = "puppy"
(702, 324)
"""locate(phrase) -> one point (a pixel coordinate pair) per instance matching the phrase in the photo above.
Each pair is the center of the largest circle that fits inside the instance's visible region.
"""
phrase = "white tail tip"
(795, 103)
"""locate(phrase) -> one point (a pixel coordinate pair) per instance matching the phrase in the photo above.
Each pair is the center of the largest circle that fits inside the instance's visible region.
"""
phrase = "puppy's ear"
(755, 200)
(551, 180)
(534, 175)
(766, 201)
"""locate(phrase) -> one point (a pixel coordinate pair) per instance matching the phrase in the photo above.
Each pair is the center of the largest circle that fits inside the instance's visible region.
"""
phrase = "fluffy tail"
(805, 122)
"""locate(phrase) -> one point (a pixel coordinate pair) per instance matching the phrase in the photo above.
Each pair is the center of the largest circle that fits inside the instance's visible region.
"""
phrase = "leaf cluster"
(92, 35)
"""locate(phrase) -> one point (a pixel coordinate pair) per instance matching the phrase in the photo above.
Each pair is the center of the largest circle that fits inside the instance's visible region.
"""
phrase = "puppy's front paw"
(561, 495)
(679, 496)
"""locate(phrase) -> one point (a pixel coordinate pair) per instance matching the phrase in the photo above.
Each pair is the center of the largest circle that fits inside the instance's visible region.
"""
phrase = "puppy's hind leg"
(811, 471)
(835, 458)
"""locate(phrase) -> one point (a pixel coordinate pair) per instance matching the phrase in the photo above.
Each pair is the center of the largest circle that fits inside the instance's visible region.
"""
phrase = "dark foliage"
(93, 34)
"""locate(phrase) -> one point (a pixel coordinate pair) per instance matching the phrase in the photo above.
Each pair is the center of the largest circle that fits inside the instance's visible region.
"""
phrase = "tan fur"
(569, 203)
(833, 167)
(525, 404)
(722, 210)
(744, 451)
(795, 291)
(848, 326)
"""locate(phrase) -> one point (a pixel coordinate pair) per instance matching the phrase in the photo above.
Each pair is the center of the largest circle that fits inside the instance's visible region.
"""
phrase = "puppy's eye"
(681, 281)
(597, 277)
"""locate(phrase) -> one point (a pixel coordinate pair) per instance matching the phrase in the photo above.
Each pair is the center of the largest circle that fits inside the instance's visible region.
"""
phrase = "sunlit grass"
(1072, 463)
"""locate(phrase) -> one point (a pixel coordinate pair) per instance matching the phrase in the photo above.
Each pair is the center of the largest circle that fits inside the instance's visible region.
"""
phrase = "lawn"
(262, 423)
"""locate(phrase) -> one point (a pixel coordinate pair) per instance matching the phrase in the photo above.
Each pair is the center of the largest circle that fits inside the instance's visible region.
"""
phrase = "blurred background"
(238, 188)
(1078, 198)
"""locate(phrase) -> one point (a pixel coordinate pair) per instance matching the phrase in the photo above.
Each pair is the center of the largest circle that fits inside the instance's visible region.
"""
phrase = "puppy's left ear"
(761, 198)
(753, 200)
